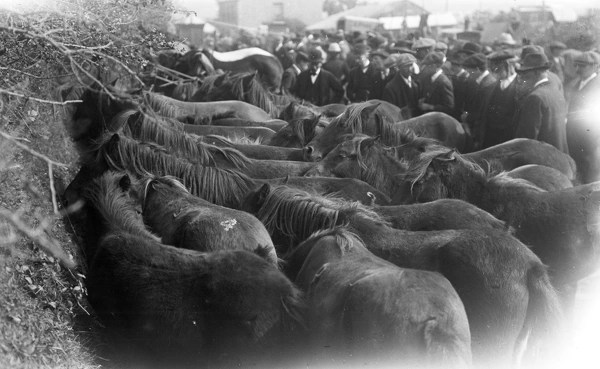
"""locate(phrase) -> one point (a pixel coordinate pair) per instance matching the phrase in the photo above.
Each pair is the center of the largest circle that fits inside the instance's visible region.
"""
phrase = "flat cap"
(501, 55)
(557, 45)
(441, 46)
(399, 60)
(361, 49)
(334, 47)
(434, 58)
(423, 43)
(380, 53)
(470, 48)
(475, 61)
(301, 57)
(588, 57)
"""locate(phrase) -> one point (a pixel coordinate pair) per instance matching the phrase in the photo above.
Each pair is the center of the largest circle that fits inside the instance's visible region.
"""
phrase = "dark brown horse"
(560, 226)
(185, 306)
(259, 152)
(546, 178)
(186, 221)
(362, 309)
(249, 60)
(364, 118)
(298, 132)
(504, 286)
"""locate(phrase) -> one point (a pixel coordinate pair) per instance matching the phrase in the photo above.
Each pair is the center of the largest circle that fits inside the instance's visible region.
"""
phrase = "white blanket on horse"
(240, 54)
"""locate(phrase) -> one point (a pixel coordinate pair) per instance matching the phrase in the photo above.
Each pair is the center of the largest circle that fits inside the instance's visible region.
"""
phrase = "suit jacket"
(338, 68)
(460, 88)
(399, 93)
(496, 122)
(438, 93)
(541, 115)
(476, 95)
(288, 79)
(326, 89)
(558, 67)
(360, 84)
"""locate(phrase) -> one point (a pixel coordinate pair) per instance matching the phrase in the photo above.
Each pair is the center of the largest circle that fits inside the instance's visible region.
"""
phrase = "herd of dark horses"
(243, 228)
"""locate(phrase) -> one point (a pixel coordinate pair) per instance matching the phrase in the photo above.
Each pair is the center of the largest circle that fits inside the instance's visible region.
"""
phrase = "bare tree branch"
(39, 100)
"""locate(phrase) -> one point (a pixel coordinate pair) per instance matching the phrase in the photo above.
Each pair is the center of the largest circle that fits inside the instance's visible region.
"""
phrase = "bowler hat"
(501, 55)
(315, 55)
(441, 46)
(475, 61)
(334, 47)
(403, 43)
(423, 43)
(399, 60)
(588, 57)
(401, 50)
(302, 57)
(470, 48)
(434, 58)
(534, 61)
(506, 39)
(361, 49)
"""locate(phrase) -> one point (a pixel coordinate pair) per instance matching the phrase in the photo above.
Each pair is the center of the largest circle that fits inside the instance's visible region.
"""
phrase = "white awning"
(413, 21)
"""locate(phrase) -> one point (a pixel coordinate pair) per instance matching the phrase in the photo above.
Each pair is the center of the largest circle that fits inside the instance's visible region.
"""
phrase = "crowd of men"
(497, 93)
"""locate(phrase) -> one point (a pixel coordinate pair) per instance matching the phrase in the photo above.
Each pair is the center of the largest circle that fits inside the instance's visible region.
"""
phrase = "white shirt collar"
(583, 83)
(436, 75)
(504, 83)
(540, 82)
(314, 78)
(364, 69)
(482, 76)
(407, 80)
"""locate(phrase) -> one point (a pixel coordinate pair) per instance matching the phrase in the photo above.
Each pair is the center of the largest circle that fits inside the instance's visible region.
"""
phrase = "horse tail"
(543, 317)
(444, 349)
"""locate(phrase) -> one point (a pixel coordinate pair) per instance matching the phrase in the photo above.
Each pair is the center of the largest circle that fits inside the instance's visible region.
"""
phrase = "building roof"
(376, 11)
(413, 21)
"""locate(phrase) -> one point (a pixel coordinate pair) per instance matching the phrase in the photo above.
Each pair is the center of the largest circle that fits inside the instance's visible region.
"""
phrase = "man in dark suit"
(495, 127)
(436, 92)
(360, 78)
(583, 132)
(552, 77)
(541, 110)
(479, 85)
(402, 90)
(316, 85)
(288, 79)
(557, 62)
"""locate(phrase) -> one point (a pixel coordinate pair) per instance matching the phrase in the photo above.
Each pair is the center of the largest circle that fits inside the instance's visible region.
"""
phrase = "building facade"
(253, 13)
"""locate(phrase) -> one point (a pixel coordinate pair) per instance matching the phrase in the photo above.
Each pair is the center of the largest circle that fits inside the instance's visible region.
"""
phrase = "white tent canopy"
(412, 21)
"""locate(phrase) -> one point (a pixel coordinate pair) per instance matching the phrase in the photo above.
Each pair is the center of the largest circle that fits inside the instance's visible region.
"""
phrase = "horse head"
(428, 176)
(351, 121)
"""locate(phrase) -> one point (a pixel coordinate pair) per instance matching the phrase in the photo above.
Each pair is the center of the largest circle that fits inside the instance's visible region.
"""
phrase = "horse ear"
(125, 183)
(368, 142)
(288, 112)
(368, 111)
(114, 138)
(263, 192)
(447, 156)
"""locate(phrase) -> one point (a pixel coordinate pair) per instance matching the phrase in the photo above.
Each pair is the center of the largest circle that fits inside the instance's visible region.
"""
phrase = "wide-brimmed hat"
(315, 55)
(475, 61)
(423, 43)
(501, 55)
(534, 61)
(434, 58)
(334, 47)
(531, 49)
(380, 53)
(588, 58)
(401, 50)
(469, 48)
(301, 57)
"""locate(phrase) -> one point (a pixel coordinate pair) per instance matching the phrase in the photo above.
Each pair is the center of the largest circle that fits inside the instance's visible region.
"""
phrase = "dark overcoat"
(399, 93)
(326, 89)
(439, 93)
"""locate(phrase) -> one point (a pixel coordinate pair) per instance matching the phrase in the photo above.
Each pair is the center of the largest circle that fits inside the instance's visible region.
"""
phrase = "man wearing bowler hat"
(495, 128)
(541, 109)
(479, 86)
(402, 90)
(436, 92)
(583, 131)
(316, 85)
(288, 79)
(360, 78)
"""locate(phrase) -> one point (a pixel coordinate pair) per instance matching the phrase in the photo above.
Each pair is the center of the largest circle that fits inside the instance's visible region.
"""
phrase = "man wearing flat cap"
(402, 90)
(583, 131)
(316, 85)
(436, 91)
(479, 85)
(495, 128)
(422, 47)
(288, 79)
(557, 62)
(541, 109)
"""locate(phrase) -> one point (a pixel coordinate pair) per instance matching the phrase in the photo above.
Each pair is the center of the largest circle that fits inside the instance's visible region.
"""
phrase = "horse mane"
(219, 186)
(187, 89)
(162, 105)
(344, 238)
(116, 206)
(352, 117)
(506, 181)
(256, 94)
(418, 167)
(146, 128)
(210, 83)
(287, 209)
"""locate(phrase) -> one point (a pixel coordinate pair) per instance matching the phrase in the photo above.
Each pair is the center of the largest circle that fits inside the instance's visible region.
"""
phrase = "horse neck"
(382, 173)
(470, 187)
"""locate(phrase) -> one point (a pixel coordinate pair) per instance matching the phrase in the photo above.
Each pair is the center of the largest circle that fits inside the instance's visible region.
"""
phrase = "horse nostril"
(318, 158)
(309, 150)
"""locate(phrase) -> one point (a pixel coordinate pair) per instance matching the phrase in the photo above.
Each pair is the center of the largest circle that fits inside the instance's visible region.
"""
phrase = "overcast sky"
(209, 8)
